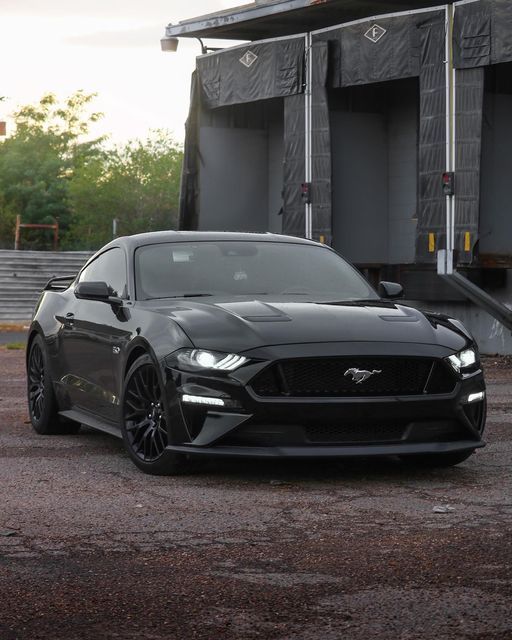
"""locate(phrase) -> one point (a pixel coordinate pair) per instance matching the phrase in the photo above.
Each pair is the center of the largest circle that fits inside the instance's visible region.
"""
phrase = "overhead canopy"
(260, 20)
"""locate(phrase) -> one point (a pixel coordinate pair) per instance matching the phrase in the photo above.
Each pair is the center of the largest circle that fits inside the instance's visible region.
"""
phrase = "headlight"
(196, 359)
(465, 361)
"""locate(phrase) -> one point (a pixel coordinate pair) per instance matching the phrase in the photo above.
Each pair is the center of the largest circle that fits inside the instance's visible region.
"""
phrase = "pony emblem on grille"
(360, 375)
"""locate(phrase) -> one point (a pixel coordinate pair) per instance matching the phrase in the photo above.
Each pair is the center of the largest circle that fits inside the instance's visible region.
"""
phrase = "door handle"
(69, 319)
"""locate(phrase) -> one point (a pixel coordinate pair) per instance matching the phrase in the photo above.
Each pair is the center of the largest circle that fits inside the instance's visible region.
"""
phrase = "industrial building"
(381, 128)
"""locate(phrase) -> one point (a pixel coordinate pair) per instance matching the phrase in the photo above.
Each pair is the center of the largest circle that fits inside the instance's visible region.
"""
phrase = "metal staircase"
(23, 275)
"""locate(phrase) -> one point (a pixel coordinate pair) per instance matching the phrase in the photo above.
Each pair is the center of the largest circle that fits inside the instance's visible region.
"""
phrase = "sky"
(109, 47)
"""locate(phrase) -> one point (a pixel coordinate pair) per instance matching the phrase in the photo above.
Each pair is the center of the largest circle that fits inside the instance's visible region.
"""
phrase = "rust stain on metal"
(489, 260)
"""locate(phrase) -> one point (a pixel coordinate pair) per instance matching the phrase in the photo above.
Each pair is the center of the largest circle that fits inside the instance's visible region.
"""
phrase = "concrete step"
(18, 297)
(43, 271)
(15, 319)
(31, 274)
(22, 280)
(54, 260)
(22, 287)
(31, 264)
(25, 307)
(23, 275)
(44, 255)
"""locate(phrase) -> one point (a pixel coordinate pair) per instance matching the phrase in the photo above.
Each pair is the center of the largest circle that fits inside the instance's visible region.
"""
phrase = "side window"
(110, 267)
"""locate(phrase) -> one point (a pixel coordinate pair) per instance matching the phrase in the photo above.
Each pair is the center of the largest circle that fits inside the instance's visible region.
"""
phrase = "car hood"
(236, 326)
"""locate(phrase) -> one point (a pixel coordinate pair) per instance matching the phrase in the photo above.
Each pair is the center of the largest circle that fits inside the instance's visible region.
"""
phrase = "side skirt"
(91, 421)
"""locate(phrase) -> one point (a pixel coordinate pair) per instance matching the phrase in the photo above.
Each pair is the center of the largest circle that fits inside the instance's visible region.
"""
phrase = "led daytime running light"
(230, 363)
(213, 402)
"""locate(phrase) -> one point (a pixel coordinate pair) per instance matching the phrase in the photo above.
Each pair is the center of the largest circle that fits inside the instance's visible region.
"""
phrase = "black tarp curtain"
(413, 46)
(294, 119)
(188, 214)
(259, 71)
(255, 72)
(482, 36)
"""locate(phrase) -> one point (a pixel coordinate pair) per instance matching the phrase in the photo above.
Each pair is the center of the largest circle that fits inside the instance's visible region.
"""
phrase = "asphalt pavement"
(92, 548)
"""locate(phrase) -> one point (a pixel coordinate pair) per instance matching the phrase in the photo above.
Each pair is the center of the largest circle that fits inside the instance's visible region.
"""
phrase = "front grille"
(442, 379)
(355, 433)
(327, 377)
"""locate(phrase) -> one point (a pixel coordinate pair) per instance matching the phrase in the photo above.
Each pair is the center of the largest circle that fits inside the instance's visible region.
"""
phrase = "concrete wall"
(374, 131)
(23, 275)
(241, 168)
(275, 175)
(403, 117)
(233, 192)
(496, 196)
(360, 186)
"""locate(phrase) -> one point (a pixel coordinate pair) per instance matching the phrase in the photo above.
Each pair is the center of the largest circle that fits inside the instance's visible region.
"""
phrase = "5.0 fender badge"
(360, 375)
(375, 33)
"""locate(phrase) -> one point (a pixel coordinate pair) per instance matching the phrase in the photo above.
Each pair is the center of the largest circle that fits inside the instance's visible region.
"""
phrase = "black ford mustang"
(248, 345)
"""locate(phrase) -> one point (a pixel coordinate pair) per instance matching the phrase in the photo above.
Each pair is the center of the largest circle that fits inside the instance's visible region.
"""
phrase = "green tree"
(39, 160)
(136, 183)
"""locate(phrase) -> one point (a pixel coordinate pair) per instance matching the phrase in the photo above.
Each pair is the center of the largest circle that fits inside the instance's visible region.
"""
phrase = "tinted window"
(110, 267)
(246, 268)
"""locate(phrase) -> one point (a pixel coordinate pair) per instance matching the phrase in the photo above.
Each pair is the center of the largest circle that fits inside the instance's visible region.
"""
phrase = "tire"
(42, 404)
(145, 424)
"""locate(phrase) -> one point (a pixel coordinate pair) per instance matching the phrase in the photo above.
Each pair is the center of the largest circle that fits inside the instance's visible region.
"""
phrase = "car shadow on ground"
(316, 470)
(282, 472)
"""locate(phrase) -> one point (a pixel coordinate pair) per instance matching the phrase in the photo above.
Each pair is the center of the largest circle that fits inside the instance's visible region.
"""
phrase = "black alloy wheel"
(144, 422)
(42, 404)
(144, 418)
(36, 385)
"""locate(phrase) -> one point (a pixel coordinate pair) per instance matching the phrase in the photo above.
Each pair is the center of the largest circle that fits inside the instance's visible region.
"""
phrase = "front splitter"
(346, 451)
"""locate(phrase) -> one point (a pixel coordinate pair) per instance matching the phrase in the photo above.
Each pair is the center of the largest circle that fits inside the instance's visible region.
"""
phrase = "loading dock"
(392, 131)
(374, 135)
(228, 183)
(496, 185)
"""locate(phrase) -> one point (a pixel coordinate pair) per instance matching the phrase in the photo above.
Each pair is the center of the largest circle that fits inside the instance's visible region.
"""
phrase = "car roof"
(159, 237)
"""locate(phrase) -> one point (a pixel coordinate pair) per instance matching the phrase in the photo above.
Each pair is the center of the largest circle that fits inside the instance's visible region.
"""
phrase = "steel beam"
(481, 298)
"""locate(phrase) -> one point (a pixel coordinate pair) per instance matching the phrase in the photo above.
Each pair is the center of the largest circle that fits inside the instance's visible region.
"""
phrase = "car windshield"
(234, 268)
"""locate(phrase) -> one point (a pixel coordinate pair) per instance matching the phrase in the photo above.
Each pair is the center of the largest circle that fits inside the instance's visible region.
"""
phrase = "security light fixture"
(169, 44)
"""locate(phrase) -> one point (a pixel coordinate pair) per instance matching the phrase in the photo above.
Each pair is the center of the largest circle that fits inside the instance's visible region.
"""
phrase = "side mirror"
(391, 290)
(98, 291)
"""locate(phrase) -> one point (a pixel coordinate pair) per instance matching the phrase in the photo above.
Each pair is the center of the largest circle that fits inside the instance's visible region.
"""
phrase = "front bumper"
(255, 426)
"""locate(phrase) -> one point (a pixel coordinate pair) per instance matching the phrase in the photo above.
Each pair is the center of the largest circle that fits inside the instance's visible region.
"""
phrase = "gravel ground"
(92, 548)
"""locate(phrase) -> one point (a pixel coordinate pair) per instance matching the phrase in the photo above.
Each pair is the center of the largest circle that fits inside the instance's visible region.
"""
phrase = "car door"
(92, 337)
